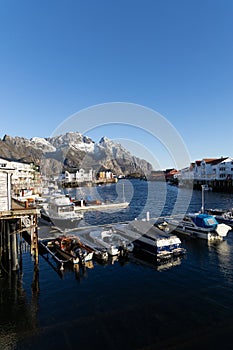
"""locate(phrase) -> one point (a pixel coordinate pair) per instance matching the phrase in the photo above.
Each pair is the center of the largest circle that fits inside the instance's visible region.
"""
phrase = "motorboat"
(59, 211)
(222, 216)
(99, 253)
(69, 249)
(114, 243)
(199, 225)
(151, 241)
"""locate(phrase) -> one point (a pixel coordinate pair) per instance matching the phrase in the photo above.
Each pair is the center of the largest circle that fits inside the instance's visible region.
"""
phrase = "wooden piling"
(12, 224)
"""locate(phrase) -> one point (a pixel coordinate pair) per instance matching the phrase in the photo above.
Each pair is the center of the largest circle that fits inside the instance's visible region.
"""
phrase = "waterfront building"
(23, 175)
(216, 172)
(105, 174)
(5, 186)
(77, 176)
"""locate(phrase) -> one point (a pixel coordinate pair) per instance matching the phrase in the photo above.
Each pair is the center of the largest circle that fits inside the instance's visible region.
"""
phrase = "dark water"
(131, 304)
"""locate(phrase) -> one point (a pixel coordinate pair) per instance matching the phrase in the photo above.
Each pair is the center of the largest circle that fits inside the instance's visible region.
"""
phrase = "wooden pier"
(12, 225)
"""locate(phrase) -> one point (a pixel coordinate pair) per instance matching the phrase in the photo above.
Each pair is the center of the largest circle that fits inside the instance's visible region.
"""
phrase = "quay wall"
(216, 185)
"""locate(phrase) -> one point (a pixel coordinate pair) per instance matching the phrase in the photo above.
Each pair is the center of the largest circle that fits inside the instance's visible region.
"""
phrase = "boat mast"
(203, 189)
(123, 193)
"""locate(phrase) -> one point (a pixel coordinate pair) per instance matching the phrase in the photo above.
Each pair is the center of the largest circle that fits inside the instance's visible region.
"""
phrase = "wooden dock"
(12, 225)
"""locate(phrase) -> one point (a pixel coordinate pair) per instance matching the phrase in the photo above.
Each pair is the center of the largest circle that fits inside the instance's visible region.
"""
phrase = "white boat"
(60, 212)
(222, 216)
(151, 241)
(199, 225)
(114, 243)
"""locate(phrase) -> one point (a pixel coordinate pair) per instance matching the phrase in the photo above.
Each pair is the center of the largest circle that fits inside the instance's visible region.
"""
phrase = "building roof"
(214, 161)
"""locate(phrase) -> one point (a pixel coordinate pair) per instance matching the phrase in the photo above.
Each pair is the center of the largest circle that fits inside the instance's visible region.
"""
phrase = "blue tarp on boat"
(205, 220)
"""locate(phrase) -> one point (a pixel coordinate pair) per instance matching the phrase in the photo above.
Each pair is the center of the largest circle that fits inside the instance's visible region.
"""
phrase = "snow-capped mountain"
(73, 150)
(41, 143)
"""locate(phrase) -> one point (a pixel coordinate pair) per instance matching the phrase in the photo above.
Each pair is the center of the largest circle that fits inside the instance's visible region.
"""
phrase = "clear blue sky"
(173, 56)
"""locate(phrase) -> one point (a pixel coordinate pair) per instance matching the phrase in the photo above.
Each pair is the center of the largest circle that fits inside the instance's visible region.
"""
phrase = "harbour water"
(127, 304)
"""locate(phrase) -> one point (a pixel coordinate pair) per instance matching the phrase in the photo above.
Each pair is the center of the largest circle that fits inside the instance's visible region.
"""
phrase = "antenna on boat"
(123, 193)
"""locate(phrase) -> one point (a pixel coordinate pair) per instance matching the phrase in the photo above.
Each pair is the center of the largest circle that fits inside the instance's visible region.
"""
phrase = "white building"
(79, 176)
(5, 186)
(24, 174)
(209, 169)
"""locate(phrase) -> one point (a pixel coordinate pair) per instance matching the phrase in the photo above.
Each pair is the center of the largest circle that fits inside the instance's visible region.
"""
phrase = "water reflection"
(18, 316)
(165, 265)
(222, 253)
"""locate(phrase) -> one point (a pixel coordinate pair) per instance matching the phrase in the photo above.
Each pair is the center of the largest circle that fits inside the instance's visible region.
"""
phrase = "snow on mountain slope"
(43, 144)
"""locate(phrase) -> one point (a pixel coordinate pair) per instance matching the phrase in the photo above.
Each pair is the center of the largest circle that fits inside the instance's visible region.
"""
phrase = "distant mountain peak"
(72, 150)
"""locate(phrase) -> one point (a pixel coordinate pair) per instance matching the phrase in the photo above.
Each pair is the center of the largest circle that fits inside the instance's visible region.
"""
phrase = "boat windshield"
(66, 209)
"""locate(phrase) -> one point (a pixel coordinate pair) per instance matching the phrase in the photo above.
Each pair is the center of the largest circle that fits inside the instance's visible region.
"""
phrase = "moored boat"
(197, 225)
(151, 241)
(60, 212)
(69, 249)
(113, 242)
(99, 253)
(222, 216)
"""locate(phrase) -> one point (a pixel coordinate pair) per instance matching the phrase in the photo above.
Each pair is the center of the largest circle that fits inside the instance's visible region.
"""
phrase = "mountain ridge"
(72, 150)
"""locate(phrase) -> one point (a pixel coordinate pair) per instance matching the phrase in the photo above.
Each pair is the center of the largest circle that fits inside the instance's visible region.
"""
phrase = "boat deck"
(103, 206)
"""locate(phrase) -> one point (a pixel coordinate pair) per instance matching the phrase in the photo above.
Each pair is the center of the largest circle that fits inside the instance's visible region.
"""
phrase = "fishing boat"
(114, 243)
(197, 225)
(59, 211)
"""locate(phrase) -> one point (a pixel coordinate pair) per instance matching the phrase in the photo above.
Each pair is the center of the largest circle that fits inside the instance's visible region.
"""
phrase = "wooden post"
(1, 247)
(14, 249)
(34, 241)
(8, 242)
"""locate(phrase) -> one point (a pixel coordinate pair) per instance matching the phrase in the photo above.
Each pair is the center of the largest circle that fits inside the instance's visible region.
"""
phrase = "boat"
(99, 253)
(82, 206)
(69, 248)
(59, 211)
(222, 216)
(151, 241)
(197, 225)
(89, 204)
(114, 243)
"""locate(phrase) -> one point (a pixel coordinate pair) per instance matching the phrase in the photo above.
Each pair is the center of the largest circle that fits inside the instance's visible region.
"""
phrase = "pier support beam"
(12, 224)
(14, 250)
(34, 241)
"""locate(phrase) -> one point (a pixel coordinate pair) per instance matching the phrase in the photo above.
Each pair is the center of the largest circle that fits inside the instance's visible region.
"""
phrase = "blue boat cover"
(205, 220)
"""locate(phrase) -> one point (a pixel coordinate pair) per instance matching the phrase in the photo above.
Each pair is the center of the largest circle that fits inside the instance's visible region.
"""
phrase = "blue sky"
(172, 56)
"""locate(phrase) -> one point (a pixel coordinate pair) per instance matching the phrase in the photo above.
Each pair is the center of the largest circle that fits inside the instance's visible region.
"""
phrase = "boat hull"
(194, 233)
(61, 223)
